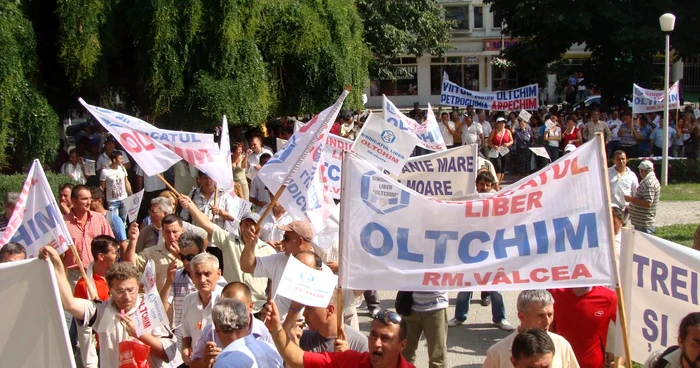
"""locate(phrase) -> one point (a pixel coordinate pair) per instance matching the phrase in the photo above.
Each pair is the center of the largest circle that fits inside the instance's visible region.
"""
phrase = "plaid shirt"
(82, 236)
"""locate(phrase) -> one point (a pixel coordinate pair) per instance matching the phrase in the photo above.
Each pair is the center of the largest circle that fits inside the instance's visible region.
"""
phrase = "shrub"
(679, 171)
(13, 183)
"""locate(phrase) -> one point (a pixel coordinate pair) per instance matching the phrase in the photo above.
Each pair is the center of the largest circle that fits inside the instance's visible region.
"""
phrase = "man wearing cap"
(298, 237)
(232, 247)
(642, 205)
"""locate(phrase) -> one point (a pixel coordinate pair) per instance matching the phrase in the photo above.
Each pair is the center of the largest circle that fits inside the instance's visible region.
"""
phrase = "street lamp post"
(667, 22)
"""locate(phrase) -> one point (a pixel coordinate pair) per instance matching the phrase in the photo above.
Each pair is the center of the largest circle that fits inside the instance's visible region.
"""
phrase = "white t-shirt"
(254, 160)
(446, 135)
(115, 183)
(470, 134)
(555, 132)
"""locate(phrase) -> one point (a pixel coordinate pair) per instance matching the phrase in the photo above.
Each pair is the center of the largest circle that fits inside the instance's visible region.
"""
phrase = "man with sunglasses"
(178, 283)
(386, 340)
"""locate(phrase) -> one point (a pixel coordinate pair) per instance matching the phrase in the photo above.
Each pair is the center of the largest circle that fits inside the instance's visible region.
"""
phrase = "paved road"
(467, 343)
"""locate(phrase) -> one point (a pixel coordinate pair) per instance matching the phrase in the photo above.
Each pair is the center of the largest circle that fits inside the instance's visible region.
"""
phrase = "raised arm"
(250, 239)
(291, 353)
(133, 236)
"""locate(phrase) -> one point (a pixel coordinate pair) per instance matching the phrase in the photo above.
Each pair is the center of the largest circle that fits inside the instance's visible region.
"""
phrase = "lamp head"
(667, 22)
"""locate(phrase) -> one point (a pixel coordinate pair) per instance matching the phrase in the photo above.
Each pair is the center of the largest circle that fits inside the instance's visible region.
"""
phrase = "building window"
(497, 20)
(478, 17)
(460, 14)
(504, 79)
(400, 87)
(462, 70)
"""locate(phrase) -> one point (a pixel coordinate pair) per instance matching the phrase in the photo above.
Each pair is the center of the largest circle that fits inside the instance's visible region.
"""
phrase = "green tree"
(402, 27)
(623, 37)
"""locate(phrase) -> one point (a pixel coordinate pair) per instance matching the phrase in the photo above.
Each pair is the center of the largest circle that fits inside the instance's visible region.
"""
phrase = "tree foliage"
(402, 27)
(622, 36)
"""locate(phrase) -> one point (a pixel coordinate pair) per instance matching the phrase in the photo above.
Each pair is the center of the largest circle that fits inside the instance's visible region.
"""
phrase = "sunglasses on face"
(186, 257)
(389, 317)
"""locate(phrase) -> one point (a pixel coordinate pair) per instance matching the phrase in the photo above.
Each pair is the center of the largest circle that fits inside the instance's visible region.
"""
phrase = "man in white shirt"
(114, 182)
(196, 311)
(623, 181)
(256, 150)
(258, 195)
(535, 310)
(447, 129)
(105, 158)
(472, 132)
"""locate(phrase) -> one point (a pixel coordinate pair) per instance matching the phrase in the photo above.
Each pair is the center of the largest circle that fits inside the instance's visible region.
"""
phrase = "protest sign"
(156, 150)
(660, 285)
(650, 100)
(540, 151)
(428, 133)
(445, 175)
(90, 166)
(239, 207)
(525, 115)
(34, 332)
(148, 279)
(298, 167)
(549, 124)
(539, 233)
(150, 311)
(523, 98)
(132, 204)
(36, 220)
(384, 145)
(305, 285)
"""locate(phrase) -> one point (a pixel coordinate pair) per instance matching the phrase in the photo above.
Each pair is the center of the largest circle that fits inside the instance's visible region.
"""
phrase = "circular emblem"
(388, 136)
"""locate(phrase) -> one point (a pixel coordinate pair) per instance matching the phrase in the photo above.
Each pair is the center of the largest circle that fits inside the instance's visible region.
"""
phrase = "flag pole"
(79, 262)
(170, 187)
(216, 199)
(341, 240)
(293, 171)
(622, 316)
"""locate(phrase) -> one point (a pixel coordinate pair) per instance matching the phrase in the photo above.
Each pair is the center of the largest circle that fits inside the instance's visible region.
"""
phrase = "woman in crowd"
(499, 142)
(571, 135)
(523, 141)
(553, 137)
(239, 165)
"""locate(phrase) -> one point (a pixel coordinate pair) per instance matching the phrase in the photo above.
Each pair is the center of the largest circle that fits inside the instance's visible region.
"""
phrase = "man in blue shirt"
(644, 147)
(657, 136)
(230, 319)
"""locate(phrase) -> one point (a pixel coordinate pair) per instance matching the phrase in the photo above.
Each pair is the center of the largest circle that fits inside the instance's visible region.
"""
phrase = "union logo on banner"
(381, 196)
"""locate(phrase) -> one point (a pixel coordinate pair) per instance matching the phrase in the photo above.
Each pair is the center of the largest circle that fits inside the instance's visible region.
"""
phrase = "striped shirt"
(649, 190)
(430, 301)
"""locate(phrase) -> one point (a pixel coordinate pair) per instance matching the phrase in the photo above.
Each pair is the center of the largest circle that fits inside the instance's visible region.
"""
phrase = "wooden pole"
(621, 315)
(269, 207)
(341, 240)
(216, 199)
(78, 261)
(170, 187)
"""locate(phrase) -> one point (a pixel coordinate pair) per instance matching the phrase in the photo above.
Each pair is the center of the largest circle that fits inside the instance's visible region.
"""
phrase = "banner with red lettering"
(660, 284)
(522, 98)
(156, 150)
(151, 311)
(36, 220)
(299, 166)
(541, 232)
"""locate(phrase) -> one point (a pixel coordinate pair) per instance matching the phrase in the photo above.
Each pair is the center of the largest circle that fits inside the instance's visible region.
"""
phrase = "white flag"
(36, 220)
(298, 166)
(428, 133)
(305, 285)
(132, 204)
(385, 145)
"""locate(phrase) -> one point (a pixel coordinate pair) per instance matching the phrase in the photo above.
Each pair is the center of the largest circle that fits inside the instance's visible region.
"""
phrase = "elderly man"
(387, 339)
(642, 204)
(209, 346)
(9, 204)
(232, 247)
(532, 348)
(197, 307)
(12, 252)
(623, 181)
(113, 320)
(535, 310)
(242, 349)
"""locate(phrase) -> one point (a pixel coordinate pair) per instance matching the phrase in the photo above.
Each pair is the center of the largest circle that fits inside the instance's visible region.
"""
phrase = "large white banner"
(298, 166)
(650, 100)
(156, 150)
(523, 98)
(540, 233)
(660, 285)
(384, 144)
(428, 133)
(33, 332)
(306, 285)
(445, 175)
(36, 220)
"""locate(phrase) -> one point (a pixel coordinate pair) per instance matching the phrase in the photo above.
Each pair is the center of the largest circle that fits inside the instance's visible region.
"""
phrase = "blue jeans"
(119, 208)
(498, 309)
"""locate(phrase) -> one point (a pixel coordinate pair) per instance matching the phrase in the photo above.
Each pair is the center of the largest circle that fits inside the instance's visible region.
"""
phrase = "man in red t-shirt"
(582, 316)
(104, 252)
(387, 338)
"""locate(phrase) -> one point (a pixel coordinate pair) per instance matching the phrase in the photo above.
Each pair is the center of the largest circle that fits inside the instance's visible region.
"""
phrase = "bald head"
(310, 259)
(238, 291)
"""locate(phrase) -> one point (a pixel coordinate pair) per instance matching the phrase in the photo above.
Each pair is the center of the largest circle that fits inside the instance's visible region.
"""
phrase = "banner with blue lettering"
(446, 175)
(650, 100)
(428, 133)
(36, 220)
(551, 229)
(383, 144)
(660, 285)
(523, 98)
